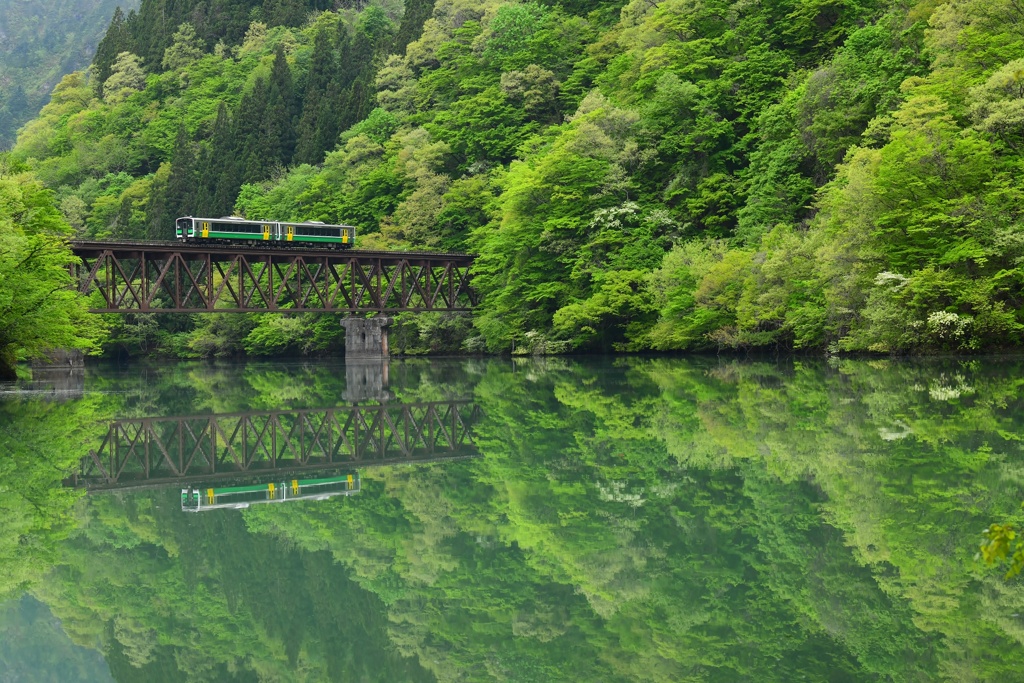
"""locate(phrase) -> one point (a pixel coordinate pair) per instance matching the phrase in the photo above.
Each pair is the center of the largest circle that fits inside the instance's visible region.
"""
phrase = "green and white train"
(235, 497)
(235, 230)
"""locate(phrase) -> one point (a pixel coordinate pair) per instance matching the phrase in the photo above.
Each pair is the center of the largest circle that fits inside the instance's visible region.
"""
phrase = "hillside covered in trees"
(39, 43)
(683, 175)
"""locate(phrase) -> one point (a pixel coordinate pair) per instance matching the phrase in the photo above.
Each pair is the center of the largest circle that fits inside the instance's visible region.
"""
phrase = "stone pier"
(366, 379)
(366, 337)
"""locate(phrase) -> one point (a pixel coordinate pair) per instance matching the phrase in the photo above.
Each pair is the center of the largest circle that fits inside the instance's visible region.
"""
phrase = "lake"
(553, 519)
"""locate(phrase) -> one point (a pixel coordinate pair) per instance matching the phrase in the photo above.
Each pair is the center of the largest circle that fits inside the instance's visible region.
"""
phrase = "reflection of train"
(240, 231)
(197, 500)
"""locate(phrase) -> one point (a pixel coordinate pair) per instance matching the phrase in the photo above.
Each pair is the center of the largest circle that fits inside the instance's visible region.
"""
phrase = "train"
(235, 230)
(236, 497)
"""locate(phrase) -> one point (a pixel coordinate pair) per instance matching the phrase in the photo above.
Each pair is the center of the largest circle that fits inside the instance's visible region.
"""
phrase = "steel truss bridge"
(171, 277)
(158, 451)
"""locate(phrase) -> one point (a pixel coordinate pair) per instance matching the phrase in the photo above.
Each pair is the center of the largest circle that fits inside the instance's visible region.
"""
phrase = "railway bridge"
(171, 277)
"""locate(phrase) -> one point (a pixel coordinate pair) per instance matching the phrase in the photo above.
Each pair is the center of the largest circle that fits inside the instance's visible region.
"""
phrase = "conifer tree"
(156, 207)
(281, 107)
(309, 149)
(257, 135)
(285, 12)
(180, 194)
(358, 65)
(416, 14)
(218, 180)
(116, 40)
(122, 223)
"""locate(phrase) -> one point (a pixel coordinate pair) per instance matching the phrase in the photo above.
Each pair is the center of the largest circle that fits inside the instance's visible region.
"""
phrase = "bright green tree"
(39, 309)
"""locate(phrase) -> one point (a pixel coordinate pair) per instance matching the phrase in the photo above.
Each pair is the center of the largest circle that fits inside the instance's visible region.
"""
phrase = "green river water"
(628, 519)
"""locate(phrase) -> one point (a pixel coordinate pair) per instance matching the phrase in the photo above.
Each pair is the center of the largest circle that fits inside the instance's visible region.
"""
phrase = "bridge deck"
(95, 248)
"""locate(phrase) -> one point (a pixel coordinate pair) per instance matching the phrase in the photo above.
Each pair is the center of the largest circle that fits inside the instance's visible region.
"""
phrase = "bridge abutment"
(367, 338)
(60, 358)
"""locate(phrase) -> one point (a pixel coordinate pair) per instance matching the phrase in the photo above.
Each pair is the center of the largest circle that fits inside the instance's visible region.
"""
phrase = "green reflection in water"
(628, 520)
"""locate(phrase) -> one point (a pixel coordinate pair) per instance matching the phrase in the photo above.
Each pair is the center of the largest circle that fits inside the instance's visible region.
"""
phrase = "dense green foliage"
(39, 309)
(40, 42)
(690, 174)
(644, 521)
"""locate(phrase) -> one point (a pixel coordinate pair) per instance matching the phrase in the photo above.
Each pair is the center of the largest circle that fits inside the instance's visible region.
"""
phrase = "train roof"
(237, 219)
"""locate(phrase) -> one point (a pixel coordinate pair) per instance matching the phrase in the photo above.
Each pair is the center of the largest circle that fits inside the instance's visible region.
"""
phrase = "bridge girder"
(204, 278)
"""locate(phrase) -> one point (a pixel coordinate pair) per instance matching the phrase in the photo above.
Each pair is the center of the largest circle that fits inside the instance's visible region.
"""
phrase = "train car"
(236, 497)
(232, 229)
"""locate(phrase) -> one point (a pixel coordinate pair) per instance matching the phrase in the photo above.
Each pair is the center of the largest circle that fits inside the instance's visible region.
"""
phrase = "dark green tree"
(219, 179)
(416, 14)
(258, 141)
(309, 148)
(182, 184)
(117, 39)
(282, 107)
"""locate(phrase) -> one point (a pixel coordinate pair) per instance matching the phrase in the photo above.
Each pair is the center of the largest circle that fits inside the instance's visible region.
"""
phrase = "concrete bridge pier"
(366, 337)
(366, 379)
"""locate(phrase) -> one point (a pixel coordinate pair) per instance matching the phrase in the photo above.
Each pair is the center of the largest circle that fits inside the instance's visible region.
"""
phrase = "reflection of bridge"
(203, 448)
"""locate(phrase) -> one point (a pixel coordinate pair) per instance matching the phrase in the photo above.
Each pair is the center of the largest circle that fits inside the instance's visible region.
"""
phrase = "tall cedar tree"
(283, 106)
(359, 68)
(309, 148)
(182, 184)
(219, 179)
(117, 39)
(257, 137)
(416, 14)
(151, 31)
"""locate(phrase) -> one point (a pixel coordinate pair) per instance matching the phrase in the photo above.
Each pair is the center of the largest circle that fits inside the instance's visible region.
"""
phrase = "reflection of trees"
(39, 442)
(630, 521)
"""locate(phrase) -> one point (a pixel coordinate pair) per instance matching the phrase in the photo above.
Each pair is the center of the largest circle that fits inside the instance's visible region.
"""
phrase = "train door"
(291, 233)
(344, 236)
(266, 232)
(206, 229)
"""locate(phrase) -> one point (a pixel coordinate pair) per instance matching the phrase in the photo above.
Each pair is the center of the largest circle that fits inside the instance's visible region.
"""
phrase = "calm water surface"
(551, 520)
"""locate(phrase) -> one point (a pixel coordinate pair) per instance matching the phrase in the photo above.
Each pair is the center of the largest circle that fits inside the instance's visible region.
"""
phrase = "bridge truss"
(169, 277)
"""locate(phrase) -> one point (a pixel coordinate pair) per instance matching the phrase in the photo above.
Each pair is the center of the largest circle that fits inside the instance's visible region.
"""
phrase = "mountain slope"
(688, 175)
(39, 43)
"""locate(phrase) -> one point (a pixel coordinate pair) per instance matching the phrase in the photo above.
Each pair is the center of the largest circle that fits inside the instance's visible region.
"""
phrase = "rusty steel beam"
(170, 277)
(156, 451)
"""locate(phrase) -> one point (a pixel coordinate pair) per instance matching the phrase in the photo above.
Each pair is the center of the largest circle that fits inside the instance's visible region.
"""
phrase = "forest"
(39, 43)
(839, 176)
(630, 520)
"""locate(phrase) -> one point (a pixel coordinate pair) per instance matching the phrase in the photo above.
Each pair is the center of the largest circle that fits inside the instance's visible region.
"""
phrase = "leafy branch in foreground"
(1003, 543)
